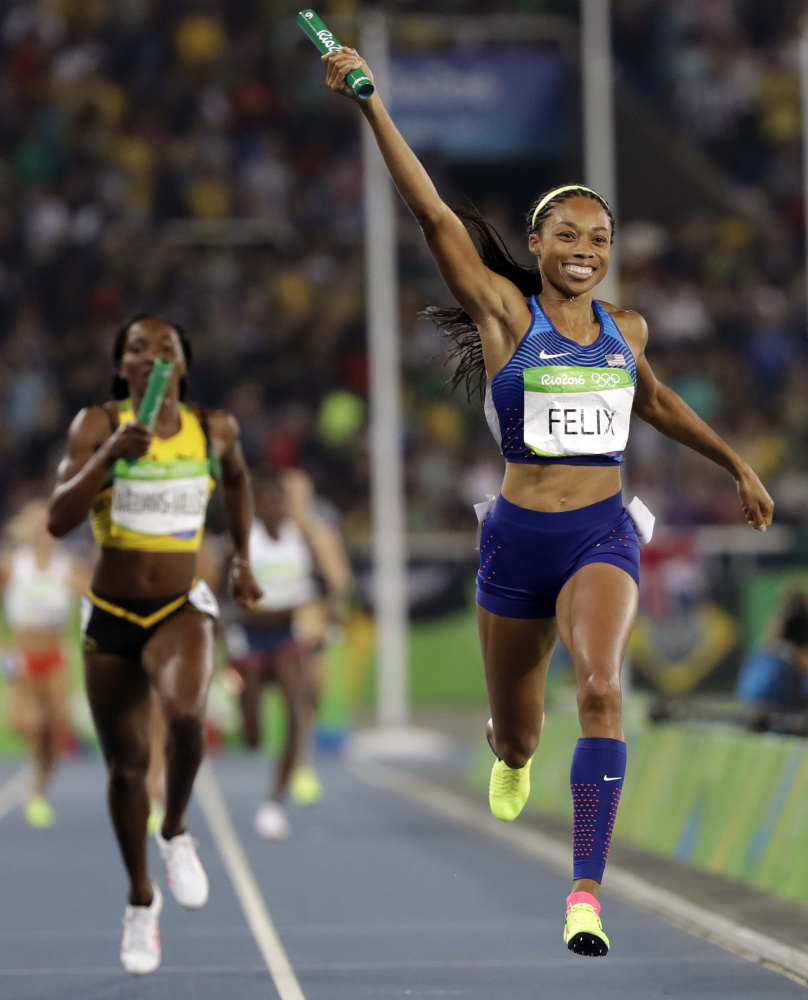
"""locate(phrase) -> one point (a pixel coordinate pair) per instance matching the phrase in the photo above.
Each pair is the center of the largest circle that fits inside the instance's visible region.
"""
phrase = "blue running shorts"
(526, 556)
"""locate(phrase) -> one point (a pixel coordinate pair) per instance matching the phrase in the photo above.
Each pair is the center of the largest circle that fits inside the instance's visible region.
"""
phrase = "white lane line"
(631, 889)
(249, 895)
(12, 794)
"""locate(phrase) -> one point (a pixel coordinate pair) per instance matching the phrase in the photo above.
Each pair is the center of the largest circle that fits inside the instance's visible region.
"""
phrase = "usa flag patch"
(615, 359)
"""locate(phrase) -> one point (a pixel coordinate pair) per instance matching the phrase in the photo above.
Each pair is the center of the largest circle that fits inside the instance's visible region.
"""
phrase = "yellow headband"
(554, 194)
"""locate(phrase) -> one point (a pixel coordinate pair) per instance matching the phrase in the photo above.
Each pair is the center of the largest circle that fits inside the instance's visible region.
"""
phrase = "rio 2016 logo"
(605, 380)
(563, 379)
(325, 36)
(328, 40)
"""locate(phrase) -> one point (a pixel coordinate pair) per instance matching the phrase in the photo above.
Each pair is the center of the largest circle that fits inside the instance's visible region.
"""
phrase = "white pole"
(387, 479)
(597, 88)
(804, 92)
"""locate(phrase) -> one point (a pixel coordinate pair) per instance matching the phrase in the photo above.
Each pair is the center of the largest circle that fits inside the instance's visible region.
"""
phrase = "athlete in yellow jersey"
(147, 622)
(159, 503)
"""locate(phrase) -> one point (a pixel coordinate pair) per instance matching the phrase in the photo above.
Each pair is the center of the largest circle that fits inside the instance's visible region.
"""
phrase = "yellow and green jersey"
(157, 503)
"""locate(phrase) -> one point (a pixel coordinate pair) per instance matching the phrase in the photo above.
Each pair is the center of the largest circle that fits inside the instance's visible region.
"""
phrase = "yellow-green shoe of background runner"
(39, 812)
(156, 816)
(508, 789)
(306, 788)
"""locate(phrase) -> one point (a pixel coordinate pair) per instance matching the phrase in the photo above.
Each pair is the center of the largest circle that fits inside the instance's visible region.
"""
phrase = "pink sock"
(582, 897)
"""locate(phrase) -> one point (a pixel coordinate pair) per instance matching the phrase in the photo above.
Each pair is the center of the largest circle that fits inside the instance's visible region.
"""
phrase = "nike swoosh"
(546, 357)
(618, 778)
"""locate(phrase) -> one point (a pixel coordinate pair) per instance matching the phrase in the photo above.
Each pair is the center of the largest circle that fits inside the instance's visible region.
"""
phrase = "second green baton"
(155, 393)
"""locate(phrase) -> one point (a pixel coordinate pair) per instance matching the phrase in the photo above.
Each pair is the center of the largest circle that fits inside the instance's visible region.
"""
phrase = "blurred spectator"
(774, 677)
(184, 157)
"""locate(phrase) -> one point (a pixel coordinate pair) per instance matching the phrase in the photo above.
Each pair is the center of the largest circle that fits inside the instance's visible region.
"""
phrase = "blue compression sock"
(596, 780)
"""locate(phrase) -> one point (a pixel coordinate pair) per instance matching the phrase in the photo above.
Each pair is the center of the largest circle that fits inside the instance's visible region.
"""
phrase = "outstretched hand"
(758, 506)
(339, 64)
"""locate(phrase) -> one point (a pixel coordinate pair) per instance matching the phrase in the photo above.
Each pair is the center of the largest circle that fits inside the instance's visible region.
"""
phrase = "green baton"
(325, 42)
(155, 393)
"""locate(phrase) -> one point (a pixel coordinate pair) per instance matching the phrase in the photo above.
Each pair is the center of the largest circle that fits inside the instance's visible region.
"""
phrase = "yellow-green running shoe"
(39, 812)
(508, 789)
(155, 820)
(583, 931)
(306, 788)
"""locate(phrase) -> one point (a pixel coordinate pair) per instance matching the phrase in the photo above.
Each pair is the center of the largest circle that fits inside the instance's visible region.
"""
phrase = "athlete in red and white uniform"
(40, 581)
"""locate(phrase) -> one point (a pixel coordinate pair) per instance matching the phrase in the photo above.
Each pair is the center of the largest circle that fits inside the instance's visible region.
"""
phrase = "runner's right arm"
(92, 450)
(494, 303)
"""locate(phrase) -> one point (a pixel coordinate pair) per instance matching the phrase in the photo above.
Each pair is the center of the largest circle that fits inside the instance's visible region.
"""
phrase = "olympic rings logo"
(605, 380)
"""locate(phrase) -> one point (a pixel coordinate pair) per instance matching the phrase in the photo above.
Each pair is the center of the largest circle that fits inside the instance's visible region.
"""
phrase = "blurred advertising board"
(484, 105)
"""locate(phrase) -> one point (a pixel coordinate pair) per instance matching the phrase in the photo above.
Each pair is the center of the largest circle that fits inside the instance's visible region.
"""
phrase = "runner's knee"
(599, 697)
(127, 777)
(185, 724)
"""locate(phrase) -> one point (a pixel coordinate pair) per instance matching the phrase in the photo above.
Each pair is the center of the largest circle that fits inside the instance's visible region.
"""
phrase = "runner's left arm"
(331, 561)
(658, 405)
(7, 661)
(238, 504)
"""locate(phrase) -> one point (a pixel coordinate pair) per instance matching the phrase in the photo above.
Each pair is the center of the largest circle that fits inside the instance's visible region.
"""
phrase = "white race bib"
(284, 585)
(160, 498)
(577, 411)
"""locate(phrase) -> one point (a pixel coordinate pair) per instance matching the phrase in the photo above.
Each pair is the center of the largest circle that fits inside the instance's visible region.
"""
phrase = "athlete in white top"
(41, 582)
(318, 622)
(265, 648)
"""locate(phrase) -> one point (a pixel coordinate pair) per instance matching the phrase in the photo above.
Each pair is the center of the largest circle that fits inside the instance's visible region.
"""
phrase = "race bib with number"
(576, 411)
(160, 498)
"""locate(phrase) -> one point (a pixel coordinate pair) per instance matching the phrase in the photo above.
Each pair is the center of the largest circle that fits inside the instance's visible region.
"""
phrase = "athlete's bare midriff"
(552, 488)
(130, 573)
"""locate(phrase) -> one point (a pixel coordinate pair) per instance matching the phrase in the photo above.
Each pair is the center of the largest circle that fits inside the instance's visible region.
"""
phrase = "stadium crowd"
(184, 157)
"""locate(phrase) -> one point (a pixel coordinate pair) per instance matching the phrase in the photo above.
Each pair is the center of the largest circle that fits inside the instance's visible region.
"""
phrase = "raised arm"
(238, 504)
(659, 406)
(495, 304)
(92, 450)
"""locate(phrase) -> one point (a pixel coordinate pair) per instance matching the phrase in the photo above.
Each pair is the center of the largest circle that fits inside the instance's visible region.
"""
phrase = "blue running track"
(374, 896)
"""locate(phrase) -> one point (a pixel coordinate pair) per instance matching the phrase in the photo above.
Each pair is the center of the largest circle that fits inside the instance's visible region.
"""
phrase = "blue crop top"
(557, 401)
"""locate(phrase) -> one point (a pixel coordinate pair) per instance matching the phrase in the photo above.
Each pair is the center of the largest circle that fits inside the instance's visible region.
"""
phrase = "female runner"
(291, 551)
(40, 581)
(147, 622)
(320, 622)
(559, 553)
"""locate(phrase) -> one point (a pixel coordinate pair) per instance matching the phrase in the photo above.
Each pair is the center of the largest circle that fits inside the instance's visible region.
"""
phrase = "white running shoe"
(186, 876)
(140, 945)
(271, 822)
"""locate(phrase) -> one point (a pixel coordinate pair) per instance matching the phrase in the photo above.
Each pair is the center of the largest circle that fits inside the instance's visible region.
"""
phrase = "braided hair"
(465, 349)
(120, 387)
